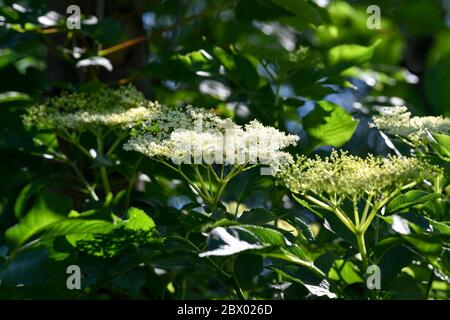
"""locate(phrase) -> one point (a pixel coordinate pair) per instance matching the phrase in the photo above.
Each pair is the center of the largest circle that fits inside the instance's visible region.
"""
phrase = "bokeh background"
(313, 68)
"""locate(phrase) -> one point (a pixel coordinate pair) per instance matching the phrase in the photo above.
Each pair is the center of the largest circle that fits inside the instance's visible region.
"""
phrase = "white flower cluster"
(397, 121)
(197, 136)
(123, 107)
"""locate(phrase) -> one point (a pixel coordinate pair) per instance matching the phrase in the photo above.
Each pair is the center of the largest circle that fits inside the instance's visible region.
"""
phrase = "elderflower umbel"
(349, 175)
(123, 107)
(397, 121)
(343, 184)
(197, 136)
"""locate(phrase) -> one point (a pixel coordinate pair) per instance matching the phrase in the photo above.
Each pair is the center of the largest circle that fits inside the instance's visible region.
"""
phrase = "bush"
(224, 150)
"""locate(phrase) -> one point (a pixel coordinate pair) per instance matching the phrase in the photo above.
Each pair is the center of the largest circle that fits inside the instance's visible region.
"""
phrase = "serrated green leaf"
(345, 271)
(257, 217)
(49, 207)
(329, 125)
(312, 208)
(409, 199)
(74, 226)
(427, 244)
(441, 145)
(345, 56)
(439, 226)
(139, 220)
(24, 196)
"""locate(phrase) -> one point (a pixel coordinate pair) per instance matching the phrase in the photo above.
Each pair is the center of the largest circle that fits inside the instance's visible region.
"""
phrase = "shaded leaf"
(49, 207)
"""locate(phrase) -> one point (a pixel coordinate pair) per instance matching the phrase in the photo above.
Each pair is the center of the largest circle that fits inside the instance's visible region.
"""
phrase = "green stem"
(219, 194)
(104, 176)
(73, 139)
(79, 146)
(216, 177)
(186, 179)
(345, 220)
(437, 184)
(366, 224)
(308, 265)
(103, 173)
(430, 283)
(84, 181)
(381, 204)
(237, 288)
(202, 182)
(362, 249)
(224, 182)
(115, 145)
(222, 171)
(318, 202)
(209, 179)
(366, 208)
(437, 188)
(131, 183)
(355, 210)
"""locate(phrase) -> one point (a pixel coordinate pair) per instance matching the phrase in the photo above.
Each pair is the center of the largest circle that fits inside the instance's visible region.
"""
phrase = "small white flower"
(397, 121)
(197, 136)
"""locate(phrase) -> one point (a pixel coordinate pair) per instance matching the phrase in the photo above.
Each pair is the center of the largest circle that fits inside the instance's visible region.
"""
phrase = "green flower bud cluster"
(124, 106)
(348, 175)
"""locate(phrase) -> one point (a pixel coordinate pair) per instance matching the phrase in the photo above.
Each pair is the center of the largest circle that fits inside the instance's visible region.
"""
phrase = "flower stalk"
(371, 182)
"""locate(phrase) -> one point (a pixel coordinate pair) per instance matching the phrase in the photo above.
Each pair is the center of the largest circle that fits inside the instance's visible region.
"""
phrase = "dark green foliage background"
(277, 59)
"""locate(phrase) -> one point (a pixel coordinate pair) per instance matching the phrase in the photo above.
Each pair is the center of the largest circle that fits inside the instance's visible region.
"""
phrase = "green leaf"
(441, 145)
(393, 260)
(257, 217)
(224, 58)
(437, 84)
(268, 236)
(132, 281)
(329, 125)
(139, 220)
(247, 10)
(264, 241)
(195, 60)
(49, 207)
(31, 274)
(313, 208)
(345, 271)
(108, 31)
(7, 57)
(111, 239)
(305, 12)
(234, 239)
(247, 267)
(75, 226)
(345, 56)
(13, 96)
(426, 244)
(409, 199)
(315, 285)
(303, 227)
(246, 73)
(405, 287)
(439, 227)
(24, 196)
